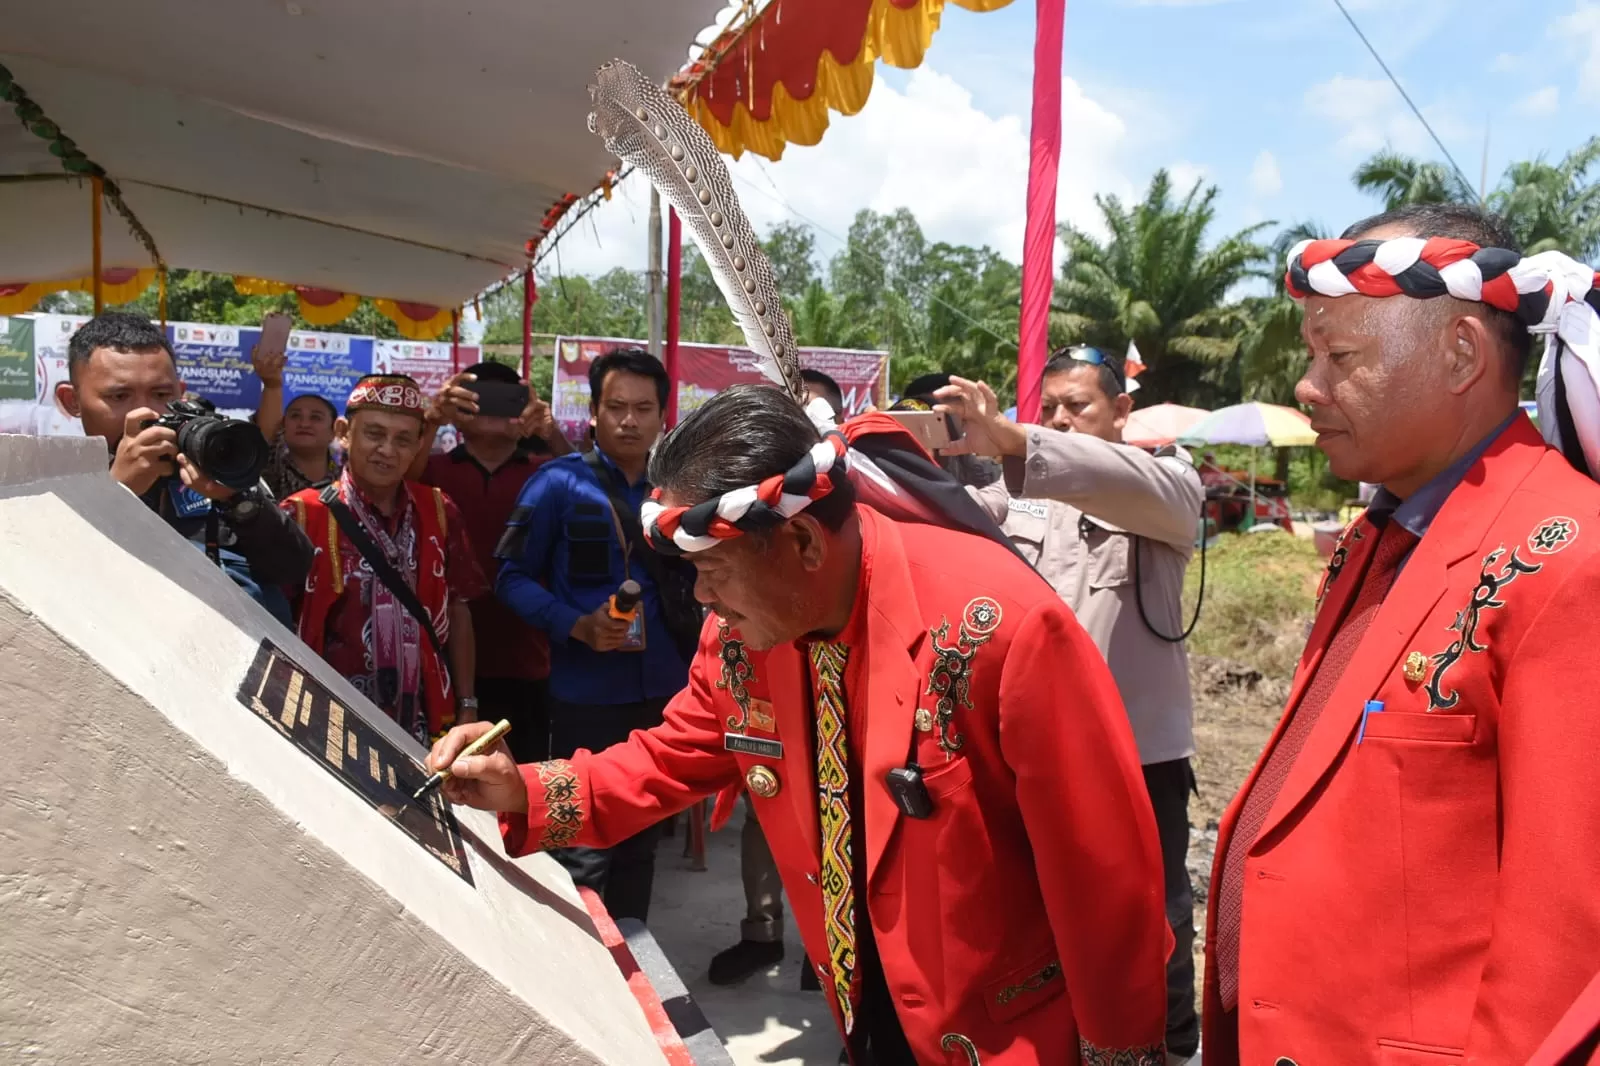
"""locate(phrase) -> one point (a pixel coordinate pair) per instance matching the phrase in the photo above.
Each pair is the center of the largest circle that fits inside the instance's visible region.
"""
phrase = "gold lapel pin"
(924, 720)
(761, 781)
(1416, 667)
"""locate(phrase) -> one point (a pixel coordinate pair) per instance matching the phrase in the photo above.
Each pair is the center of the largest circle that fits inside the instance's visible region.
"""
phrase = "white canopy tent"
(405, 149)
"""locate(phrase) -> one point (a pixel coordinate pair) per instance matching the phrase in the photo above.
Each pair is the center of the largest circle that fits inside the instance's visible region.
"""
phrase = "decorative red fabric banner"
(1039, 240)
(674, 294)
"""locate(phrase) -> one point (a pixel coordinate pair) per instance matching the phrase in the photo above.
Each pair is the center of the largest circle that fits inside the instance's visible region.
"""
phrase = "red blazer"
(1025, 914)
(1426, 896)
(1576, 1038)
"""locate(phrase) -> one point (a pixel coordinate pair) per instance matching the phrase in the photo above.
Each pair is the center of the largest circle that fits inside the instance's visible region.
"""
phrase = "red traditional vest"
(336, 565)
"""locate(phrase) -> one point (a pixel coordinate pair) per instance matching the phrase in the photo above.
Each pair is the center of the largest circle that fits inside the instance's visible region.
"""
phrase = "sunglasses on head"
(1085, 354)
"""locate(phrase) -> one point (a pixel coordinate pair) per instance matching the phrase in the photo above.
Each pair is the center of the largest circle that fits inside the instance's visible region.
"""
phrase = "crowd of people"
(951, 693)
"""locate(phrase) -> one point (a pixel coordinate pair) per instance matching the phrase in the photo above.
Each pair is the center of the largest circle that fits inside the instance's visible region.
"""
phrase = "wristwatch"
(242, 506)
(468, 703)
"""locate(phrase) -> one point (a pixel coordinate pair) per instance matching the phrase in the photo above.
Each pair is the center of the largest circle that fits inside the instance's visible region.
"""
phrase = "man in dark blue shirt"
(566, 551)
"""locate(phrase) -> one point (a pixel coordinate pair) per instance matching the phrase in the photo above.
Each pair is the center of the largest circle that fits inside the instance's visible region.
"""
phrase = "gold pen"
(477, 747)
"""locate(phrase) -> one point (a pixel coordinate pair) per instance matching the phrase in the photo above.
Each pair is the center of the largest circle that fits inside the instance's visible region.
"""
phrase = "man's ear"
(810, 540)
(1123, 407)
(67, 399)
(1469, 352)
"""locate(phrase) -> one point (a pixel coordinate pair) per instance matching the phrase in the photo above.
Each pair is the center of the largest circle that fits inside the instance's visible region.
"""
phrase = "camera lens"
(228, 451)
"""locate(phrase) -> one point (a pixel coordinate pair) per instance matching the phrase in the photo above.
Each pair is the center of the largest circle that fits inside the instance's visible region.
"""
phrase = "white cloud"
(962, 172)
(1266, 180)
(1185, 174)
(1546, 101)
(1506, 63)
(1581, 31)
(1369, 115)
(1175, 3)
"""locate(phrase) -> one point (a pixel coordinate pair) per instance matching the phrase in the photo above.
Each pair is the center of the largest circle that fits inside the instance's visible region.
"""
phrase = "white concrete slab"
(179, 882)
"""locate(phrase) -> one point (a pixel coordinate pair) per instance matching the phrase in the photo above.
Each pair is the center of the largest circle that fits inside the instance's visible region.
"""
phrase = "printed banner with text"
(706, 369)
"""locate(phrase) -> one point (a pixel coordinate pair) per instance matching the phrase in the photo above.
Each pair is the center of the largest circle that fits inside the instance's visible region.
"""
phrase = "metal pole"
(97, 187)
(653, 274)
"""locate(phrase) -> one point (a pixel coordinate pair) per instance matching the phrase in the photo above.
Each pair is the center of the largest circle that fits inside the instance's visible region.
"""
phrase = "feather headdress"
(643, 125)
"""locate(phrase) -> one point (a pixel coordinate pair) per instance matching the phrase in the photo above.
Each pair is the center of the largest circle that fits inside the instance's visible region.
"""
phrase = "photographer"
(122, 376)
(1112, 528)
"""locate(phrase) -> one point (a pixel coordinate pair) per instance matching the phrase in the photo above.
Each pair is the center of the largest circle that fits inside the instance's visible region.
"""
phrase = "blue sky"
(1275, 101)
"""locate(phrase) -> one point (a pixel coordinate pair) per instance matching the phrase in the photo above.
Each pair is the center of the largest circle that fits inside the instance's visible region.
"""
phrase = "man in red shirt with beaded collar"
(352, 617)
(934, 748)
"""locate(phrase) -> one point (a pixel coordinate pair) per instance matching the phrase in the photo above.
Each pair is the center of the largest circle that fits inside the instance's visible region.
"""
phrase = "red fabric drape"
(674, 291)
(1039, 240)
(530, 296)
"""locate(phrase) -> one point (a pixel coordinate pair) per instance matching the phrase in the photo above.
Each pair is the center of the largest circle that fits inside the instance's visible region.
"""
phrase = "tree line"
(1206, 309)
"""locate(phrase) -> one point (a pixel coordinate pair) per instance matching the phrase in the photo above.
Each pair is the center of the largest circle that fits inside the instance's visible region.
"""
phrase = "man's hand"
(143, 455)
(490, 781)
(194, 479)
(453, 402)
(268, 366)
(599, 630)
(536, 420)
(987, 430)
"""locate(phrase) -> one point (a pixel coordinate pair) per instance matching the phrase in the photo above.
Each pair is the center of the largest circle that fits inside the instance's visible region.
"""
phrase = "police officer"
(1112, 528)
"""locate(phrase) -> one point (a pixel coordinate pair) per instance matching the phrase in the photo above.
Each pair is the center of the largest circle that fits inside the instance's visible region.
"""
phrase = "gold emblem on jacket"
(1416, 667)
(761, 781)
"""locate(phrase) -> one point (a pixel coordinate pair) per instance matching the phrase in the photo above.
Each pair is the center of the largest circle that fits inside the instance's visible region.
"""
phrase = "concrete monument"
(203, 851)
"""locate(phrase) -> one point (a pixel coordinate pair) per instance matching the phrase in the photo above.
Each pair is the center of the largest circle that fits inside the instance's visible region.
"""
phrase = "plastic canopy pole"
(1039, 238)
(97, 188)
(455, 341)
(529, 296)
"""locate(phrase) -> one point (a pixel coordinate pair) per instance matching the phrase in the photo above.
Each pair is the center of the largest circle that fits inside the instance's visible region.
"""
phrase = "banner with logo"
(326, 365)
(706, 369)
(428, 362)
(214, 362)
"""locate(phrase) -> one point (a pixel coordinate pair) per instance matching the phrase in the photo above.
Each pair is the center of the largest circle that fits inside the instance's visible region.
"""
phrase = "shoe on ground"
(743, 959)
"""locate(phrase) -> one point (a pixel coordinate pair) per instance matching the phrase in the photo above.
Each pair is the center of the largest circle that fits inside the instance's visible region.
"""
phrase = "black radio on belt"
(909, 792)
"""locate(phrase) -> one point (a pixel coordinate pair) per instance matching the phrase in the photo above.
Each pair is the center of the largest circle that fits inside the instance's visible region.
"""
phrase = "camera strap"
(382, 569)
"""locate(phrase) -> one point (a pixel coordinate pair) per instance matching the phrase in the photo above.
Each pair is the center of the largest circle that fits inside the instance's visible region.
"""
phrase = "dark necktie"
(1392, 547)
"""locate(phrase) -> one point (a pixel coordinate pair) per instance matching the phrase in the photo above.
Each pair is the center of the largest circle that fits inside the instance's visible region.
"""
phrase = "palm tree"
(822, 320)
(1272, 354)
(1154, 282)
(1548, 205)
(1401, 180)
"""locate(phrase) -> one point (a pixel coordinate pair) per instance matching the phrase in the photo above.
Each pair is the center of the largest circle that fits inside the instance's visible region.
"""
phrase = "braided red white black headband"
(1550, 293)
(679, 530)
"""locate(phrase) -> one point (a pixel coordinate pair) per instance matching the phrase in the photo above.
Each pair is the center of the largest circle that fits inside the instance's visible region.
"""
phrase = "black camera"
(226, 450)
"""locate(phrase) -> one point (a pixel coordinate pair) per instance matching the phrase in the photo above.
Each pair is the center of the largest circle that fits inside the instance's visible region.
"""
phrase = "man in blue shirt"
(566, 550)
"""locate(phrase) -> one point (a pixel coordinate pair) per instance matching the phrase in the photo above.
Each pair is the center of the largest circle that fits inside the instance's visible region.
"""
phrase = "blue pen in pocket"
(1372, 707)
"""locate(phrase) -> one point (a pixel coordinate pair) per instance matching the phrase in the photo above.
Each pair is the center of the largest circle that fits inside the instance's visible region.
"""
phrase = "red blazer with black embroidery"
(1025, 915)
(1422, 891)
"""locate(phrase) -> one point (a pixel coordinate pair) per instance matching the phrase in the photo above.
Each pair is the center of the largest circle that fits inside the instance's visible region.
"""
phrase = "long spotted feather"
(643, 125)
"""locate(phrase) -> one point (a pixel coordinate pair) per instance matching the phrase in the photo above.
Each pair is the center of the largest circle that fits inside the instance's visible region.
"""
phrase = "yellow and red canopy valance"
(118, 285)
(324, 307)
(773, 82)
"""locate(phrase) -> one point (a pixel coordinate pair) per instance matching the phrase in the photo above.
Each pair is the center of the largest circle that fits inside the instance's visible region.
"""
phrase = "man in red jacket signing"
(933, 746)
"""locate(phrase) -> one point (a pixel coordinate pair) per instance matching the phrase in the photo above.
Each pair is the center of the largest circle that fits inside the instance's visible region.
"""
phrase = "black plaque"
(342, 742)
